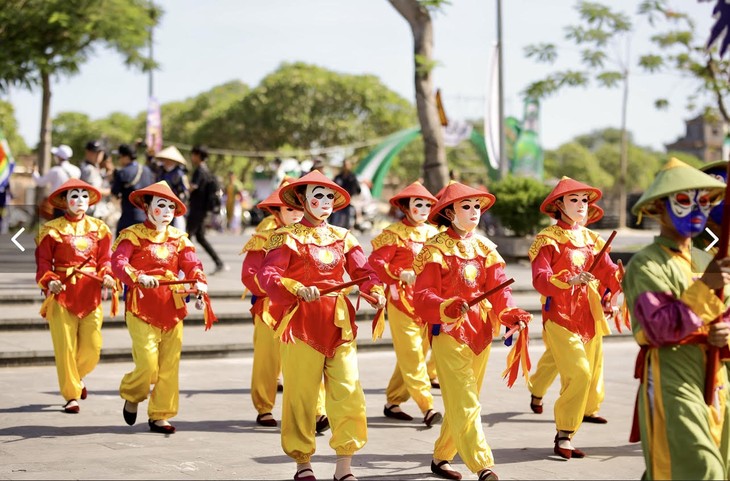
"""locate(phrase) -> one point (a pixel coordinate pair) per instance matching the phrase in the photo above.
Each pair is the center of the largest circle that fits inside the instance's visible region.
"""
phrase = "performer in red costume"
(572, 313)
(145, 257)
(456, 266)
(392, 258)
(72, 261)
(318, 331)
(266, 351)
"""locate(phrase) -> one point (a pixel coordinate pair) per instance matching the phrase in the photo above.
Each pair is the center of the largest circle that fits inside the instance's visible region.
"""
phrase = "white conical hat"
(171, 153)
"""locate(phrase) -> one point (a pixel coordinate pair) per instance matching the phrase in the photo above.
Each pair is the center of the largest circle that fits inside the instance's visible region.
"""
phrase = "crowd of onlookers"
(222, 204)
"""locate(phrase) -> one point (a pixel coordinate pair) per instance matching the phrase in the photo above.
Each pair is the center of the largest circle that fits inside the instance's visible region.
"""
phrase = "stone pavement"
(217, 437)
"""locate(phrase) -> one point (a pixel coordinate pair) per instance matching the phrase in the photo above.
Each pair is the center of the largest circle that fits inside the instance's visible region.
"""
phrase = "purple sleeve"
(664, 319)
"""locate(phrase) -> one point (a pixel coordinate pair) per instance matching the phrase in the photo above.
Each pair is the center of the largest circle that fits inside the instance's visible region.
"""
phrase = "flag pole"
(503, 160)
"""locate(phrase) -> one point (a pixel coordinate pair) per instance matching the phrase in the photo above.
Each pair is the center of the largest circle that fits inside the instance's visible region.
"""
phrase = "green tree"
(681, 49)
(418, 15)
(45, 38)
(75, 129)
(10, 129)
(518, 204)
(599, 36)
(578, 162)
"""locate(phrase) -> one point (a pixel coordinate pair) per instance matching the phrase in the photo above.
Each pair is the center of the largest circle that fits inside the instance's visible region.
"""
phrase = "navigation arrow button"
(712, 234)
(14, 239)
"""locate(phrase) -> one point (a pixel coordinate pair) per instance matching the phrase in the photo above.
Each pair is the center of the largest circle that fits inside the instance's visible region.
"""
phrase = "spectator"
(172, 169)
(61, 171)
(202, 189)
(130, 177)
(90, 172)
(348, 181)
(234, 196)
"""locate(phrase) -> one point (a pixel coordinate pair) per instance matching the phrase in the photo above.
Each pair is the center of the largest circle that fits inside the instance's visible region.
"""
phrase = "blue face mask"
(716, 212)
(688, 211)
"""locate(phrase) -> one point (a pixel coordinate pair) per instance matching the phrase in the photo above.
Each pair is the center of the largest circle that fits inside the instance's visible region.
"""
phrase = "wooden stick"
(509, 333)
(339, 287)
(177, 281)
(77, 269)
(89, 274)
(603, 251)
(480, 298)
(369, 298)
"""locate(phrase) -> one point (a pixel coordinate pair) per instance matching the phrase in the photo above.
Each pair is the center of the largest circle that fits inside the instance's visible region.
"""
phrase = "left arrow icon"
(15, 239)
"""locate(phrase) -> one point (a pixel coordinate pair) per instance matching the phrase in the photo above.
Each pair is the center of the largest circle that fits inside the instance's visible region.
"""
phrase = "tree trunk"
(435, 171)
(44, 146)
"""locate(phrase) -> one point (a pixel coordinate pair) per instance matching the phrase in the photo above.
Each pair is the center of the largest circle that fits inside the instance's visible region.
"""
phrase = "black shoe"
(323, 424)
(155, 428)
(444, 473)
(71, 407)
(84, 392)
(269, 423)
(432, 417)
(435, 384)
(129, 417)
(488, 475)
(399, 415)
(594, 419)
(279, 387)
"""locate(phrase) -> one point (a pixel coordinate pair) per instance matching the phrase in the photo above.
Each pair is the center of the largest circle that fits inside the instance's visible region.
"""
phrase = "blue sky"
(201, 44)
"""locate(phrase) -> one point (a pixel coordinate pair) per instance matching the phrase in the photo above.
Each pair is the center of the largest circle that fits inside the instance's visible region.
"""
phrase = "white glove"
(108, 281)
(201, 287)
(308, 294)
(56, 286)
(148, 281)
(408, 277)
(381, 301)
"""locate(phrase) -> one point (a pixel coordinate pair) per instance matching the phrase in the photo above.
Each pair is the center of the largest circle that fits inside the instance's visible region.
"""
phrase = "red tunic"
(140, 249)
(558, 254)
(450, 269)
(302, 255)
(394, 251)
(64, 243)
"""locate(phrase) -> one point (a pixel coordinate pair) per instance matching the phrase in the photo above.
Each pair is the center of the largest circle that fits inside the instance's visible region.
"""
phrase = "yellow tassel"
(342, 318)
(379, 324)
(115, 303)
(594, 302)
(47, 302)
(285, 321)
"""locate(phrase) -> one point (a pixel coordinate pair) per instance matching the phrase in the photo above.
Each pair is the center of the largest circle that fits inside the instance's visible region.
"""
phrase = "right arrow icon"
(714, 239)
(14, 239)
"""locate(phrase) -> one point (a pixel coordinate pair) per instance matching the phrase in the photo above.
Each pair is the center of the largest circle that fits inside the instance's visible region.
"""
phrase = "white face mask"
(289, 216)
(77, 201)
(160, 212)
(319, 201)
(467, 213)
(575, 206)
(418, 209)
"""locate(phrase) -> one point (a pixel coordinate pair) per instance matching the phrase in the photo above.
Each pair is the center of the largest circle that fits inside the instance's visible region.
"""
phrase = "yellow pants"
(462, 373)
(76, 346)
(547, 371)
(410, 377)
(156, 356)
(576, 364)
(303, 368)
(266, 369)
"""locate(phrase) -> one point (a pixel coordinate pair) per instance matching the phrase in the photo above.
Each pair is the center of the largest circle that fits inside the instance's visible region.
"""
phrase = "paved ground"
(218, 439)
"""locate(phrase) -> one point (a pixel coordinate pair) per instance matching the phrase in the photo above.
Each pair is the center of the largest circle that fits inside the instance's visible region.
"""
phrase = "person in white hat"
(61, 171)
(173, 171)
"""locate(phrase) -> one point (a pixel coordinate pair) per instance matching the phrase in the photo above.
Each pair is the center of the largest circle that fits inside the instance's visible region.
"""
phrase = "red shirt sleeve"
(120, 260)
(427, 294)
(357, 266)
(273, 269)
(379, 259)
(44, 260)
(542, 272)
(251, 266)
(103, 257)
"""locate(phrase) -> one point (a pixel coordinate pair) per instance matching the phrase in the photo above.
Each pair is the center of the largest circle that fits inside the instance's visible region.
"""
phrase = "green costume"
(682, 437)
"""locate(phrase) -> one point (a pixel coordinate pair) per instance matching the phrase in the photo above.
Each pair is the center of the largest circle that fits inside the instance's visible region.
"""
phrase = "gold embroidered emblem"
(578, 258)
(81, 244)
(162, 252)
(470, 272)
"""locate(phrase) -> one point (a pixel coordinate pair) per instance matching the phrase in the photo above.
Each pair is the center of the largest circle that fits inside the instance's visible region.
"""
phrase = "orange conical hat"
(288, 195)
(58, 198)
(160, 189)
(456, 192)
